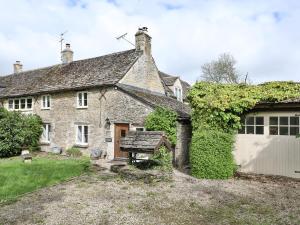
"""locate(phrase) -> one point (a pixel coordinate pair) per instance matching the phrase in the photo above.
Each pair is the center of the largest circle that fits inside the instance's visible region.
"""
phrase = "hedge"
(18, 131)
(211, 154)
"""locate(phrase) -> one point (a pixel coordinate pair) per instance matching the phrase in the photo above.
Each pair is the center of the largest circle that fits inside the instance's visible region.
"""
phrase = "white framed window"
(46, 102)
(20, 104)
(46, 132)
(178, 93)
(82, 101)
(140, 129)
(252, 125)
(284, 125)
(82, 136)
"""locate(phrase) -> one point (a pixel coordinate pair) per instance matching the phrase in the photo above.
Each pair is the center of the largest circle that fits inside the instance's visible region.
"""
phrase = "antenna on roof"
(62, 39)
(123, 36)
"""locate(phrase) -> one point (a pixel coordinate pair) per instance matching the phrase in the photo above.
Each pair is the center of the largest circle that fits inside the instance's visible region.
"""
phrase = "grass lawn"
(17, 178)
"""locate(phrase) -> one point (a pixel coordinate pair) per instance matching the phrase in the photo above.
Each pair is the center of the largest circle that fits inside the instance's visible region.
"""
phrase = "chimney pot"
(18, 67)
(67, 54)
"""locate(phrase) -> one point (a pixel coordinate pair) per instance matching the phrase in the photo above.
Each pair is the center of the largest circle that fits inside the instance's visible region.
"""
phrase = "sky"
(262, 35)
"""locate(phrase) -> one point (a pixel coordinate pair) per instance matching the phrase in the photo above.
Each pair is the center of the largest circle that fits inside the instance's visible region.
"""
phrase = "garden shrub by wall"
(162, 119)
(211, 155)
(18, 131)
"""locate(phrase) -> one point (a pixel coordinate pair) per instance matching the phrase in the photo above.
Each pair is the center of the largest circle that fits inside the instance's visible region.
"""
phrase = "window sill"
(45, 108)
(81, 145)
(83, 107)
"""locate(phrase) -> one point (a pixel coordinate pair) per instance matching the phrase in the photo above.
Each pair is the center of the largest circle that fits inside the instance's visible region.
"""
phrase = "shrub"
(18, 131)
(163, 157)
(211, 154)
(162, 119)
(74, 152)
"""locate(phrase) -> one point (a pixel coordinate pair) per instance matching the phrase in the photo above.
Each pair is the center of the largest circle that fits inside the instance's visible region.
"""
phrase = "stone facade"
(103, 103)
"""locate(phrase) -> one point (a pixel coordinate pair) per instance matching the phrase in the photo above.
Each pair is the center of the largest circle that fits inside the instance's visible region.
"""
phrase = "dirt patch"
(106, 198)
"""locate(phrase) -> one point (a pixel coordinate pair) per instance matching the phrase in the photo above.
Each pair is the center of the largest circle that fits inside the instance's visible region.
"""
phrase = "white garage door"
(267, 144)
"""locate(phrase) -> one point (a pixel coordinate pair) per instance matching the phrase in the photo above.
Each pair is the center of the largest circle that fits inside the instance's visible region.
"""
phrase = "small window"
(20, 103)
(46, 132)
(82, 134)
(284, 125)
(82, 101)
(140, 129)
(46, 102)
(178, 93)
(123, 133)
(252, 125)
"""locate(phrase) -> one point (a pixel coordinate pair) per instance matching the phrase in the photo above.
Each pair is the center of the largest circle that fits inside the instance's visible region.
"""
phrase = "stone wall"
(184, 135)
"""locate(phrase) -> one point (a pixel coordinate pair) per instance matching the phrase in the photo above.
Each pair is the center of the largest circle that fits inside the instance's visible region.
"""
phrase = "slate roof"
(144, 141)
(103, 70)
(155, 99)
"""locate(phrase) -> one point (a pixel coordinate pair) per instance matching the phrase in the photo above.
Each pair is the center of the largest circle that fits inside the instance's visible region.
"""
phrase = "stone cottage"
(91, 103)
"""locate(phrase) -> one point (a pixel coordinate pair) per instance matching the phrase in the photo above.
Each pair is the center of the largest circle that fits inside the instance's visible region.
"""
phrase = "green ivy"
(216, 111)
(18, 131)
(162, 119)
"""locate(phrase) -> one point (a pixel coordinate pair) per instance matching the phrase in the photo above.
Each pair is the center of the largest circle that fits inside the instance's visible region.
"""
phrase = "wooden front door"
(121, 130)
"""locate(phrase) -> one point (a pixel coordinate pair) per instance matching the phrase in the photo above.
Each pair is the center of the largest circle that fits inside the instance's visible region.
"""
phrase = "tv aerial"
(123, 36)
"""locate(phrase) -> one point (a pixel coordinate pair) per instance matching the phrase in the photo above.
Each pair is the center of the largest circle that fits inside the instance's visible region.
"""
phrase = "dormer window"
(82, 100)
(178, 93)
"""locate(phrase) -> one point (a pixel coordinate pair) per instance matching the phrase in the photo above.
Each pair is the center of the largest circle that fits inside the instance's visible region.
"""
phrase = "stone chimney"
(143, 41)
(18, 67)
(67, 54)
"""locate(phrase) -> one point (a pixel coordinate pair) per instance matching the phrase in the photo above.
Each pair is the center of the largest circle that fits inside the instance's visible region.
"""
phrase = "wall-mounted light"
(107, 123)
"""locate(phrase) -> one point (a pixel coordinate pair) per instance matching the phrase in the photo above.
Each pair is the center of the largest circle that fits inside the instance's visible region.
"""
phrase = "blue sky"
(263, 36)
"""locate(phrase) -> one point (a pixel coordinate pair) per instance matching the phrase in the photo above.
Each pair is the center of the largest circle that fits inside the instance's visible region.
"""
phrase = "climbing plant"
(218, 108)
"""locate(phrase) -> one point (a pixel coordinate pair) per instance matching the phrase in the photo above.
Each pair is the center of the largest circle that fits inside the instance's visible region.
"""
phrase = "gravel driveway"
(104, 198)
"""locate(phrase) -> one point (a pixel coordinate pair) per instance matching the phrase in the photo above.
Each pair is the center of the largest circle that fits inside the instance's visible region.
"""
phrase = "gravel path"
(104, 198)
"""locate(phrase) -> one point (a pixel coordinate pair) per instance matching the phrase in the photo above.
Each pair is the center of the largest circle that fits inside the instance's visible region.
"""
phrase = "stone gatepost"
(184, 136)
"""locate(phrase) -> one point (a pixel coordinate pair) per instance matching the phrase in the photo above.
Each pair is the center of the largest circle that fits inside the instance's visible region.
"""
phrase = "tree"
(222, 71)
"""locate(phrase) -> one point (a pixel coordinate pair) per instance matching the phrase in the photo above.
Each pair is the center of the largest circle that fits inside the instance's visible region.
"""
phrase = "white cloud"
(262, 35)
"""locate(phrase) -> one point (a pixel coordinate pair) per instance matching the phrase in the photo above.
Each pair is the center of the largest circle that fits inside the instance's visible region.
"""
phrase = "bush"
(18, 131)
(163, 157)
(74, 152)
(162, 120)
(211, 154)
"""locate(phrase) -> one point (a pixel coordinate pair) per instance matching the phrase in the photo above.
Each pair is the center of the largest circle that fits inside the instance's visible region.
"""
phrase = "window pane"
(79, 134)
(284, 130)
(284, 120)
(10, 104)
(29, 103)
(250, 120)
(86, 132)
(294, 120)
(294, 130)
(48, 101)
(273, 130)
(273, 120)
(44, 135)
(123, 133)
(85, 99)
(23, 103)
(80, 99)
(259, 130)
(17, 104)
(242, 120)
(242, 130)
(259, 120)
(250, 129)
